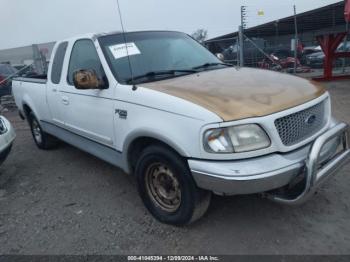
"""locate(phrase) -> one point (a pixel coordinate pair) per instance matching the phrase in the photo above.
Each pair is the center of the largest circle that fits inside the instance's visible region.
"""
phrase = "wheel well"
(138, 145)
(26, 110)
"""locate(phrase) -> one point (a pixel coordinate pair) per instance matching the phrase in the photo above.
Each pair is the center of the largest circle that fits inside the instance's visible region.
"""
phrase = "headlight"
(3, 128)
(236, 139)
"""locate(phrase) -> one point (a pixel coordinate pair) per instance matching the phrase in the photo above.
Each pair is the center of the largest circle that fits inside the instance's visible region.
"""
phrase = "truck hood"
(237, 93)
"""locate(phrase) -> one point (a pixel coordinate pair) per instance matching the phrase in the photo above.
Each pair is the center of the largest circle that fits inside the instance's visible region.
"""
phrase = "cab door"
(88, 113)
(53, 85)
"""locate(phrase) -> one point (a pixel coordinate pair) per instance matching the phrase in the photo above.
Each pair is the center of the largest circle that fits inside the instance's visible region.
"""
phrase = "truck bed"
(31, 91)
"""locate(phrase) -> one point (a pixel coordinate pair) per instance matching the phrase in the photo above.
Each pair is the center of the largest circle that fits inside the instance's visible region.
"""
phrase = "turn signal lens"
(238, 139)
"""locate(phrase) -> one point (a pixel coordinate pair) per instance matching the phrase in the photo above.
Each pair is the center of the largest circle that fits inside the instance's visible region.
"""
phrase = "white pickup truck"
(162, 107)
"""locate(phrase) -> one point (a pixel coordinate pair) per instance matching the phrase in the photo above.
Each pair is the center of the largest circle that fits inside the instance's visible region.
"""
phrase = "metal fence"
(272, 44)
(259, 53)
(26, 61)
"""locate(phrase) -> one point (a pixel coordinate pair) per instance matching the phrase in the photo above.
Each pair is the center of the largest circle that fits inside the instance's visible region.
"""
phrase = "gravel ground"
(65, 201)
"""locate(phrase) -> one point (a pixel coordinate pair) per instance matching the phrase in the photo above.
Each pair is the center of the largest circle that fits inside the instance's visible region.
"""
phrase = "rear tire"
(167, 188)
(42, 140)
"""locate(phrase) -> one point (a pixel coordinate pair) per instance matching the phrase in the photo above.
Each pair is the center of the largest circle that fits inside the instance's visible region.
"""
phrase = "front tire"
(41, 139)
(167, 188)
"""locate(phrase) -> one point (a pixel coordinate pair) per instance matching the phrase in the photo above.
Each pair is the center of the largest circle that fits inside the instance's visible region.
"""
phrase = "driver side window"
(84, 56)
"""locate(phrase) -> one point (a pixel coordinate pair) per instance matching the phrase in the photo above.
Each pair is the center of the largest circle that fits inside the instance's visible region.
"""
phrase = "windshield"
(152, 52)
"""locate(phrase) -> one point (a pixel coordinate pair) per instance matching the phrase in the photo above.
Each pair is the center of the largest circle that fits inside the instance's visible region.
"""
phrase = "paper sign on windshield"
(119, 51)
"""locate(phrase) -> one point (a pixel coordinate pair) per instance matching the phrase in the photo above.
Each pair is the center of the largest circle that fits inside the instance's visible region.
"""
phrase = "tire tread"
(201, 198)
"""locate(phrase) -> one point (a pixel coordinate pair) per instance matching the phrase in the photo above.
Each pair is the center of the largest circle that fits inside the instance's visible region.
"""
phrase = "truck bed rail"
(39, 79)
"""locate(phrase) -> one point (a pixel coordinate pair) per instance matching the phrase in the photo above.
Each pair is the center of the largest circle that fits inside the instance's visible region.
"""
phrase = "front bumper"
(318, 161)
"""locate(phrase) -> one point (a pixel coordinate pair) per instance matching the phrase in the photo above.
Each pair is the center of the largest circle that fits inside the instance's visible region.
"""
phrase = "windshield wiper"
(209, 65)
(153, 74)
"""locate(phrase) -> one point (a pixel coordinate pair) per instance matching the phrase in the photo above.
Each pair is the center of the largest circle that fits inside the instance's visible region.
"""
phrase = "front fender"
(155, 135)
(149, 133)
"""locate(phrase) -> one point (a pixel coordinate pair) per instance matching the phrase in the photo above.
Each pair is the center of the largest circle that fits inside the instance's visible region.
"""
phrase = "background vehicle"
(308, 50)
(165, 109)
(5, 85)
(7, 136)
(316, 59)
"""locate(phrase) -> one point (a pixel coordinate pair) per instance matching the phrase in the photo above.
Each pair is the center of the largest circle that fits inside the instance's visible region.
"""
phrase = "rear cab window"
(57, 64)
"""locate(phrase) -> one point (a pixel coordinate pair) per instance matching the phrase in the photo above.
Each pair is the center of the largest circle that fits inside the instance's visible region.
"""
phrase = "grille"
(299, 126)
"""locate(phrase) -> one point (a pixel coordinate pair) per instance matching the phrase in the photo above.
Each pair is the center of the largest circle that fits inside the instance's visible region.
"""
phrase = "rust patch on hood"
(240, 93)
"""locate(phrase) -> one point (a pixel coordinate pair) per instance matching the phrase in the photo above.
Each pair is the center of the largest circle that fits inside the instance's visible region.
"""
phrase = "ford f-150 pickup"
(162, 107)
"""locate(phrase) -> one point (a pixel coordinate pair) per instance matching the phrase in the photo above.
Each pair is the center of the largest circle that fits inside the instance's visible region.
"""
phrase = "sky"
(25, 22)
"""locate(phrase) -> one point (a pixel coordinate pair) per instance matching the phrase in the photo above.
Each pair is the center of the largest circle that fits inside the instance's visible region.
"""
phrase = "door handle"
(65, 100)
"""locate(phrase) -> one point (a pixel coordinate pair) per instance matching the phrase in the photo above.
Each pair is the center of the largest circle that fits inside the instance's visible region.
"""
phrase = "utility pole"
(347, 19)
(241, 43)
(241, 34)
(345, 42)
(277, 32)
(243, 17)
(296, 40)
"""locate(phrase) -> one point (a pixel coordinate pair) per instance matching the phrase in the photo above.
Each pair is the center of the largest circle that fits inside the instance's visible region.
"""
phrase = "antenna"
(134, 87)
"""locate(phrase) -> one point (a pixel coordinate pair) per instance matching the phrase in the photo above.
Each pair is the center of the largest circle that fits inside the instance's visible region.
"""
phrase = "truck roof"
(89, 35)
(96, 35)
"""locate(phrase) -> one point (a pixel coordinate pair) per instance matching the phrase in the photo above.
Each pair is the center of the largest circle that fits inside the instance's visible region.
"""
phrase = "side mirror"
(220, 56)
(87, 79)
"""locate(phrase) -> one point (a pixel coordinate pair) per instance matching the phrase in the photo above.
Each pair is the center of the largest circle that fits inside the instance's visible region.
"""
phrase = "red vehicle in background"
(279, 60)
(283, 60)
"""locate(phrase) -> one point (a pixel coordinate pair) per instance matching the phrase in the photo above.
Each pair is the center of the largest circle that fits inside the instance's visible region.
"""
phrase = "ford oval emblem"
(310, 119)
